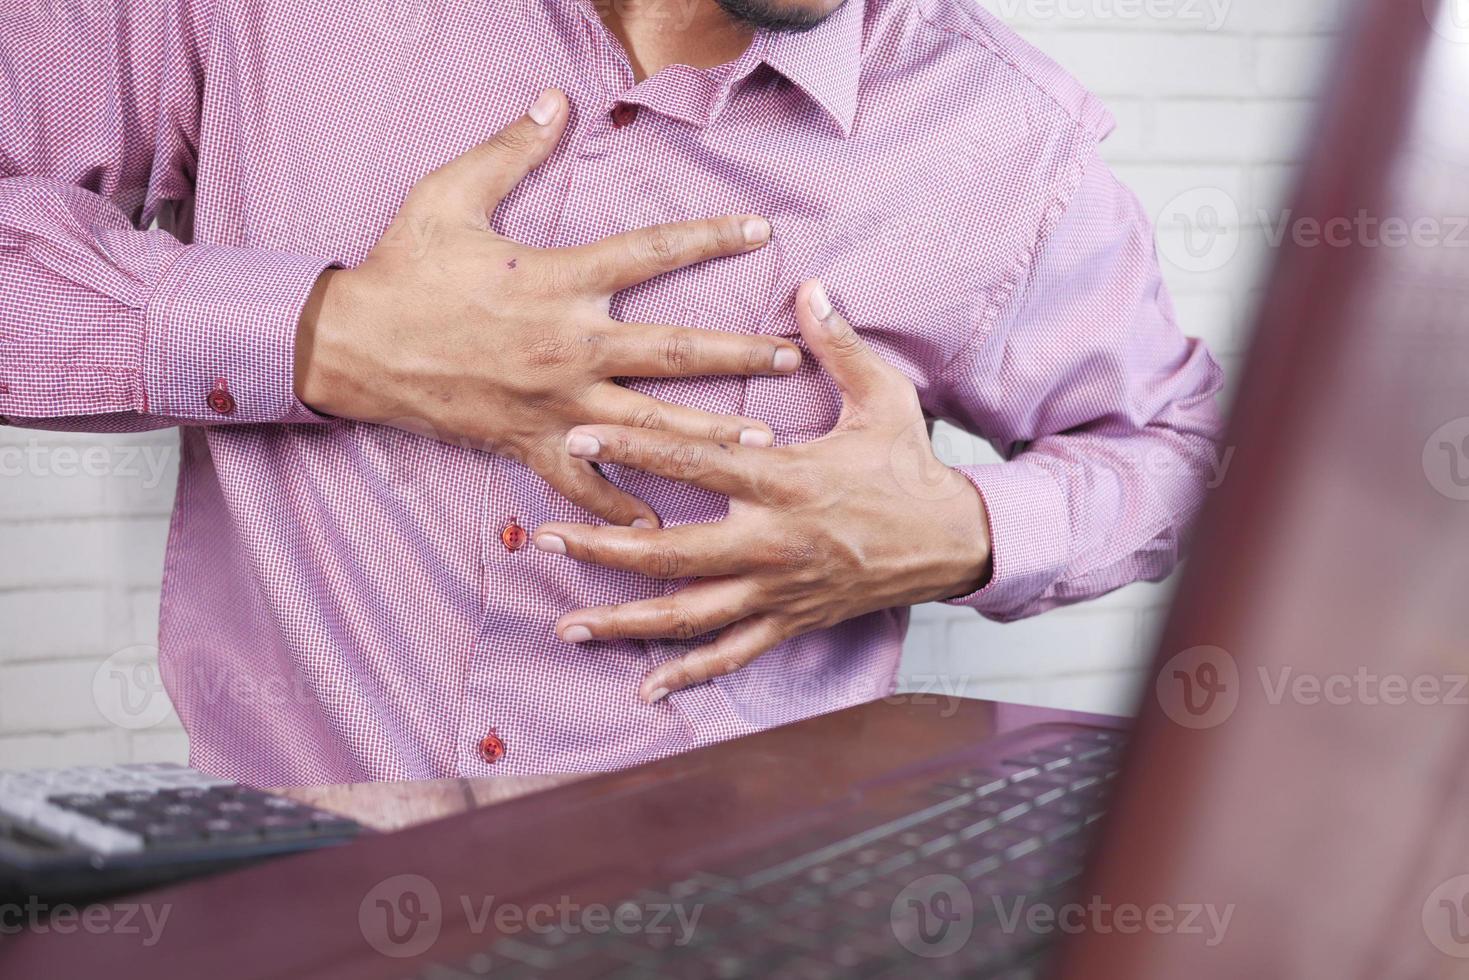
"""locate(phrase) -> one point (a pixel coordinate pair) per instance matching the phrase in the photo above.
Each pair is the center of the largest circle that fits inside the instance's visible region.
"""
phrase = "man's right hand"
(491, 344)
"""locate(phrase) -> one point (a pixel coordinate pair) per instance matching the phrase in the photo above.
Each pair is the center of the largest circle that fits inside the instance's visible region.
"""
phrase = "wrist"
(964, 520)
(317, 342)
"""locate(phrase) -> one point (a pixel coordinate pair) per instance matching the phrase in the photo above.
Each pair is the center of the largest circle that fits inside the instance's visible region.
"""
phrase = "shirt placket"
(506, 552)
(594, 161)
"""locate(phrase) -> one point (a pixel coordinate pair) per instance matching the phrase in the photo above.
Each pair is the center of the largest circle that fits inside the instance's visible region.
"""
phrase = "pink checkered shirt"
(340, 603)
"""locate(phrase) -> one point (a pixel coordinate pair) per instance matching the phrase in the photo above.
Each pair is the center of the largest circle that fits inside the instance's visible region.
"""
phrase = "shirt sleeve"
(1105, 413)
(105, 326)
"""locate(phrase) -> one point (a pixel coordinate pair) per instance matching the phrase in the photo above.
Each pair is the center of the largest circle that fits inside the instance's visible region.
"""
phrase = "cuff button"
(220, 401)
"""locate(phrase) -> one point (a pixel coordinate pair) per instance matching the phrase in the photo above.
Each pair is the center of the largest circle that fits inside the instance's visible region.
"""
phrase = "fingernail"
(820, 305)
(657, 695)
(576, 634)
(581, 444)
(786, 359)
(755, 437)
(552, 543)
(756, 230)
(643, 522)
(543, 110)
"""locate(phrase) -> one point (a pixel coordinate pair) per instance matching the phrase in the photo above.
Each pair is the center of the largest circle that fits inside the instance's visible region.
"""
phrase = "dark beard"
(771, 15)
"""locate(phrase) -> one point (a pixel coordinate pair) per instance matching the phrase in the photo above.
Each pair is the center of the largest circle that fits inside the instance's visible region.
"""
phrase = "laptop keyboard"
(887, 901)
(129, 809)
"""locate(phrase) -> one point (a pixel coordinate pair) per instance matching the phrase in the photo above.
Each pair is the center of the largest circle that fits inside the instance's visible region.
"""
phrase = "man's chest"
(316, 135)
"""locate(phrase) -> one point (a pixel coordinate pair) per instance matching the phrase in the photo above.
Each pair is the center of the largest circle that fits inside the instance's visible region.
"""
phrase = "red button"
(492, 748)
(513, 537)
(623, 113)
(220, 400)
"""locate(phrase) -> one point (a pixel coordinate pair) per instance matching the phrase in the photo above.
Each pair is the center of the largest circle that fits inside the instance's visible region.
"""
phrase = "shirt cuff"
(220, 345)
(1029, 525)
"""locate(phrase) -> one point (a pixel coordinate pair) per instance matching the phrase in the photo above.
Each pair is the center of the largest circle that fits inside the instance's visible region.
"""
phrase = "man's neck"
(658, 33)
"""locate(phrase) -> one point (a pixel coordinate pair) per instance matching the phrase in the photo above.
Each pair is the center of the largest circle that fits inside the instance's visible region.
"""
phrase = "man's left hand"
(862, 519)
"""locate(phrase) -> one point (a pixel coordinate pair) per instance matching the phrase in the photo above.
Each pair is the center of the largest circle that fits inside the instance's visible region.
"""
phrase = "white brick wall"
(1211, 96)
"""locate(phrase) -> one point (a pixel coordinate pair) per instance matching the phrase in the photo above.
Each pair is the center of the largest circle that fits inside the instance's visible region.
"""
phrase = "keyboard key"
(981, 826)
(984, 784)
(225, 831)
(106, 840)
(1014, 812)
(1019, 850)
(1002, 839)
(131, 797)
(78, 801)
(984, 867)
(165, 834)
(1032, 789)
(938, 844)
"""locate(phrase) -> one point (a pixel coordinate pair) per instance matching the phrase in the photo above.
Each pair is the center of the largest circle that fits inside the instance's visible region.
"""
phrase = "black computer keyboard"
(88, 831)
(937, 892)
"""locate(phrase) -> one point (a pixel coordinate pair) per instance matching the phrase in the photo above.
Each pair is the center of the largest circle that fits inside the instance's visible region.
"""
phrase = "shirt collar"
(825, 62)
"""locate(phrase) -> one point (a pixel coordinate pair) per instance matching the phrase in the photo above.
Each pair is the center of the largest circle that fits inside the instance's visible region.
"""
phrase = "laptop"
(1287, 804)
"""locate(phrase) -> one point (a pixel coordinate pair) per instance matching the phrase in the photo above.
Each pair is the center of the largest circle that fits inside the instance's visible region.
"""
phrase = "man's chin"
(783, 16)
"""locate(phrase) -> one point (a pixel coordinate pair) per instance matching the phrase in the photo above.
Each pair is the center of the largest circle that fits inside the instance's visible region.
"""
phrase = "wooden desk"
(545, 839)
(395, 806)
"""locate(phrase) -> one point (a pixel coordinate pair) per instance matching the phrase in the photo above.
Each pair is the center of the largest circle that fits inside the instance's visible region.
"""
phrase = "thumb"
(866, 380)
(480, 178)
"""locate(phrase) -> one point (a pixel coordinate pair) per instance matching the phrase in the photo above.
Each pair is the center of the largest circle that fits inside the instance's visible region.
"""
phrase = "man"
(477, 466)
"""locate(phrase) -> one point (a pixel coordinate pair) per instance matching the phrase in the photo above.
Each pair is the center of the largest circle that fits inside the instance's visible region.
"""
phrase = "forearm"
(104, 326)
(1105, 411)
(1081, 513)
(102, 323)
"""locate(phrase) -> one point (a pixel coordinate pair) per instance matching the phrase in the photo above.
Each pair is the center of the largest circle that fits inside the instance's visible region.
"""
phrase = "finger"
(477, 180)
(652, 350)
(692, 550)
(620, 261)
(724, 467)
(866, 380)
(735, 648)
(579, 482)
(702, 607)
(623, 407)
